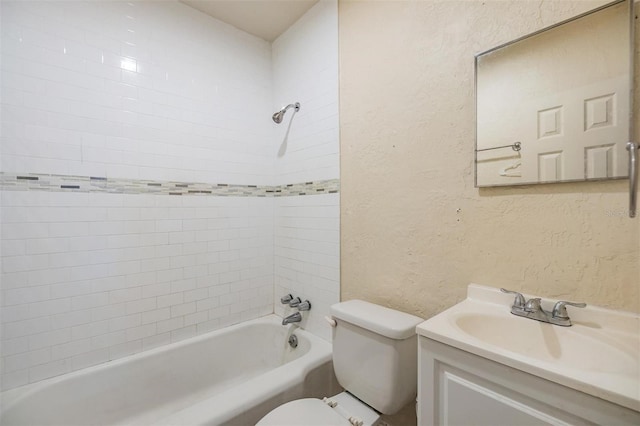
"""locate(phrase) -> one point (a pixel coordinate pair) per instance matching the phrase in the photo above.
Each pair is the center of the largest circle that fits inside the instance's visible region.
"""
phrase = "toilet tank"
(375, 354)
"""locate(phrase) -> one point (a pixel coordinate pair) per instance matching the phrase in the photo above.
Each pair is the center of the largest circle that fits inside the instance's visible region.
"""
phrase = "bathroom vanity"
(480, 365)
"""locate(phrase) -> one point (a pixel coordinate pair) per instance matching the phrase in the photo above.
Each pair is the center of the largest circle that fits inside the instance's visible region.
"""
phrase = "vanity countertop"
(598, 355)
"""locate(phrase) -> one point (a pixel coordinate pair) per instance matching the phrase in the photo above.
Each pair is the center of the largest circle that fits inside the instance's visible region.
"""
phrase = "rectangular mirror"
(555, 106)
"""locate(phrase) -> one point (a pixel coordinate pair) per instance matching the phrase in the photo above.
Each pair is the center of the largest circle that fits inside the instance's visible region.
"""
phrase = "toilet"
(375, 360)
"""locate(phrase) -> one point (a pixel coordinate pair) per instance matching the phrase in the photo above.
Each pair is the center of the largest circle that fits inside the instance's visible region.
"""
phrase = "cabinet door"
(464, 399)
(457, 388)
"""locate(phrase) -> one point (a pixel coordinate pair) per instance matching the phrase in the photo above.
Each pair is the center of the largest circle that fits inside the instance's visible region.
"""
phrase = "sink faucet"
(533, 309)
(294, 317)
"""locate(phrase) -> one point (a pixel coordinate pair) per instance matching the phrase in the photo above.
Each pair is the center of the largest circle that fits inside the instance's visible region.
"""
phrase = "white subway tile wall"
(307, 256)
(158, 91)
(129, 272)
(305, 70)
(307, 244)
(149, 90)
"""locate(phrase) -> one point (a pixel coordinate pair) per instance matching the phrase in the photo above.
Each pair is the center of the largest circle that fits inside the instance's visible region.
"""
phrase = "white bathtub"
(231, 376)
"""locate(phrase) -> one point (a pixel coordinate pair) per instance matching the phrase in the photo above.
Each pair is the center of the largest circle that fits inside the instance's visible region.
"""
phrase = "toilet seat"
(308, 411)
(339, 410)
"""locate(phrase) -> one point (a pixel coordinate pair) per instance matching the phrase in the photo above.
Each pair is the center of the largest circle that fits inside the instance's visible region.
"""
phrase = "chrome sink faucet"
(533, 309)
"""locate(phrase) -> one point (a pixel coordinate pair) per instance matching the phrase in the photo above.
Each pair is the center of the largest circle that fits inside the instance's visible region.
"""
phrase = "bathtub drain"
(293, 341)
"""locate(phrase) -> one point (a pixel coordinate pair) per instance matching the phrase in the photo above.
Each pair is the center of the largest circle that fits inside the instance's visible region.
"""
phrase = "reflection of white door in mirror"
(564, 93)
(572, 135)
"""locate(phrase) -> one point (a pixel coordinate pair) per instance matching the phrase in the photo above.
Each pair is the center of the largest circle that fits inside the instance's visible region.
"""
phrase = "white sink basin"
(550, 343)
(598, 355)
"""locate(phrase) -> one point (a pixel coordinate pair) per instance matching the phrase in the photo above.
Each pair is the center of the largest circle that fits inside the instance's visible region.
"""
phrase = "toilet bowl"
(375, 361)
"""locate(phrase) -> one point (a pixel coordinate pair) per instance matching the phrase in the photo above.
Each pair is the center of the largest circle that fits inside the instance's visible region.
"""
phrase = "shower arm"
(296, 106)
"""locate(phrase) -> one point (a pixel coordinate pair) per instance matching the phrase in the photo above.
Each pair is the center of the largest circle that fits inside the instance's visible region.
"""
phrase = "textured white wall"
(307, 249)
(415, 231)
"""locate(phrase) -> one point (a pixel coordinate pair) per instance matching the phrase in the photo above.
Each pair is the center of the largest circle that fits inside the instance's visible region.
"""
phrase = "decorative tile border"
(66, 183)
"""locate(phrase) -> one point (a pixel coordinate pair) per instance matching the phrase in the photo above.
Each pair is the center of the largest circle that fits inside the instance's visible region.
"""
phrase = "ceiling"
(266, 19)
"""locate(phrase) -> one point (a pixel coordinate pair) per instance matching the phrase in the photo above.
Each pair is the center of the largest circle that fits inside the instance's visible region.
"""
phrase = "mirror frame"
(477, 56)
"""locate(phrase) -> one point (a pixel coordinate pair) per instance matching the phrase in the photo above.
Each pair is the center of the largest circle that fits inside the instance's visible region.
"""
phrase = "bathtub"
(231, 376)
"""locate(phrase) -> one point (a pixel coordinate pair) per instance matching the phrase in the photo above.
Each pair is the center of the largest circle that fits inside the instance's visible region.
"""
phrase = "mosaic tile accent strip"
(66, 183)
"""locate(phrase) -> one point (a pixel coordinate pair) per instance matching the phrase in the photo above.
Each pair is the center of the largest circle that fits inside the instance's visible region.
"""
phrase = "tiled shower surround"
(146, 194)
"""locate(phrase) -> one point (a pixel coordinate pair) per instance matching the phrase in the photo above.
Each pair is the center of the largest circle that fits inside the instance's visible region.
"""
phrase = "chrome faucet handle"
(286, 299)
(560, 309)
(533, 305)
(295, 302)
(304, 306)
(519, 300)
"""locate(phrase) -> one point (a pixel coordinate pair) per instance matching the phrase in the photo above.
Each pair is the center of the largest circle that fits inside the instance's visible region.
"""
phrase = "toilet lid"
(308, 412)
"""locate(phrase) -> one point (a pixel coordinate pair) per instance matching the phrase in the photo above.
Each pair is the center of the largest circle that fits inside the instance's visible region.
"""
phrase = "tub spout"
(295, 317)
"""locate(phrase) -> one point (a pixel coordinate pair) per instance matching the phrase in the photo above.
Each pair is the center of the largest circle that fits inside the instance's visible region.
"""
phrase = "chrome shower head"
(277, 117)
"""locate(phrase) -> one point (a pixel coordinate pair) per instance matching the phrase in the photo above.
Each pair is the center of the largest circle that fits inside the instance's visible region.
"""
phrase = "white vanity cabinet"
(478, 364)
(456, 387)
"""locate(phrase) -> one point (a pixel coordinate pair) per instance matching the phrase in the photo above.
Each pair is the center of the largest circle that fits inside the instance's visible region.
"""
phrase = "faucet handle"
(533, 305)
(560, 309)
(304, 306)
(295, 302)
(519, 300)
(286, 299)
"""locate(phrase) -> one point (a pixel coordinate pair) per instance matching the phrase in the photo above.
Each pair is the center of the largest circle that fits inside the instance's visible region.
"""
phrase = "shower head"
(277, 117)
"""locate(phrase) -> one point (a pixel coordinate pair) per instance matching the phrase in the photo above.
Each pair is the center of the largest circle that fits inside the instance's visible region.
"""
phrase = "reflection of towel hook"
(510, 171)
(516, 146)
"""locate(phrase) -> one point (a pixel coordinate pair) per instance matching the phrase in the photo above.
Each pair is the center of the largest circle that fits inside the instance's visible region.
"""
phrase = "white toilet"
(375, 360)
